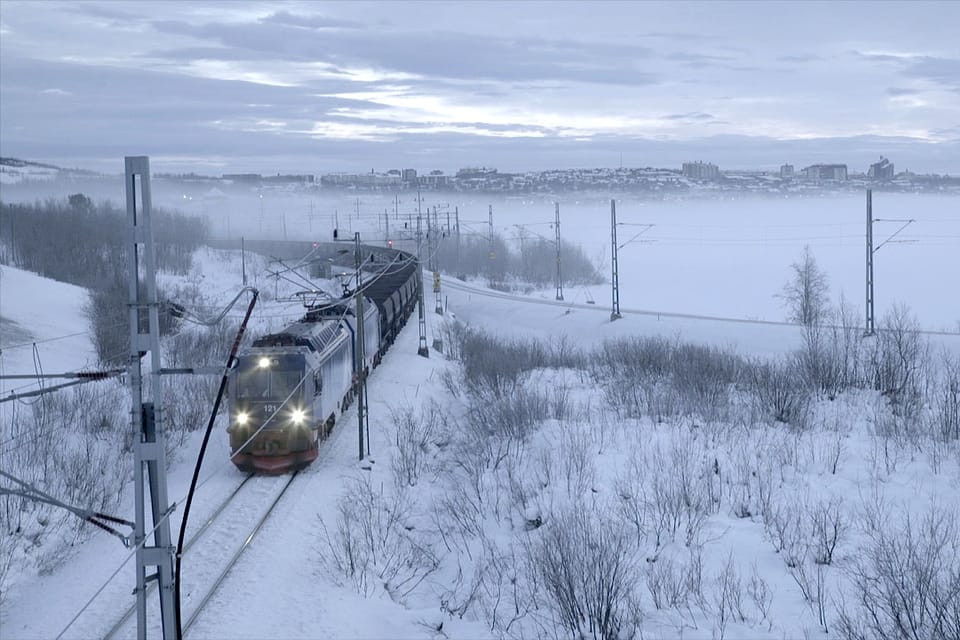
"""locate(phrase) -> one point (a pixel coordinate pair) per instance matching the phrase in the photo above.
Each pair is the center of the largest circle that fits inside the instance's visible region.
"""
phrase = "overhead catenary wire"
(101, 520)
(46, 390)
(203, 448)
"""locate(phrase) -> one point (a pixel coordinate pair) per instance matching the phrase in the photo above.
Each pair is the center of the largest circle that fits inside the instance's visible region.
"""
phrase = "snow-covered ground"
(282, 587)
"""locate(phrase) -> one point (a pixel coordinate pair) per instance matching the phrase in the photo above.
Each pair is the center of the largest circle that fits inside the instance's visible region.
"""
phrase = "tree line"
(84, 244)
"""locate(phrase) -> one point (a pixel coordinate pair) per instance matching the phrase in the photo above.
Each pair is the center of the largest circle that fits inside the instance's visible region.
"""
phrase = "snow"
(44, 314)
(280, 589)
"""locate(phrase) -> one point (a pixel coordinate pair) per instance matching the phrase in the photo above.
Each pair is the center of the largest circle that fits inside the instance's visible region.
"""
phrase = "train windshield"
(276, 382)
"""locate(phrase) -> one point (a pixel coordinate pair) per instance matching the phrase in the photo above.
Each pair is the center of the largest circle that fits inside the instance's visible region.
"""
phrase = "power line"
(29, 394)
(96, 518)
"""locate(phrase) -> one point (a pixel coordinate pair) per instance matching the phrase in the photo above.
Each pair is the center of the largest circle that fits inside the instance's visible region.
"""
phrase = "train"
(287, 389)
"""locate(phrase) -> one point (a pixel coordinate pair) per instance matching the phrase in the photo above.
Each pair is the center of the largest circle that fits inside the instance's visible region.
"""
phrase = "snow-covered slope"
(282, 589)
(42, 326)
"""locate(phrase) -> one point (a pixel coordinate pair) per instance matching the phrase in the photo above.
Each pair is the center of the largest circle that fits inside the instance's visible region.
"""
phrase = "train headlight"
(264, 363)
(298, 416)
(242, 418)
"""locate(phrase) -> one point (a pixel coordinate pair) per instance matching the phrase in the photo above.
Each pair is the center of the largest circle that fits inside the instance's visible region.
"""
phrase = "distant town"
(695, 177)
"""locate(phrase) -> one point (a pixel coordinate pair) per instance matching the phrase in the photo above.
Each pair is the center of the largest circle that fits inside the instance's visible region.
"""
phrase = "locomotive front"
(271, 423)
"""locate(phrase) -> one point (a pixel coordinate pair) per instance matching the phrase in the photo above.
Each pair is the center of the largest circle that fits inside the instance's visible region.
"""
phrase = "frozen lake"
(719, 257)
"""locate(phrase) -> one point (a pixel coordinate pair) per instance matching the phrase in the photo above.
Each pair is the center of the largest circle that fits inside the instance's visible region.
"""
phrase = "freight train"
(288, 388)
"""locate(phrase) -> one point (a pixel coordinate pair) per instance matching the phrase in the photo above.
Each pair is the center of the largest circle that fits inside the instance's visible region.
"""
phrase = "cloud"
(310, 22)
(693, 115)
(108, 11)
(436, 54)
(944, 71)
(936, 69)
(900, 91)
(252, 78)
(804, 57)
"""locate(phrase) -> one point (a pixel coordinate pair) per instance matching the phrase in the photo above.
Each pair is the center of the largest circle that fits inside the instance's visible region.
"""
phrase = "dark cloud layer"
(428, 53)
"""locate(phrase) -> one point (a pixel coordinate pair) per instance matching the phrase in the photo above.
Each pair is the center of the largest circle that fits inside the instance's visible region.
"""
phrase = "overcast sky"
(315, 86)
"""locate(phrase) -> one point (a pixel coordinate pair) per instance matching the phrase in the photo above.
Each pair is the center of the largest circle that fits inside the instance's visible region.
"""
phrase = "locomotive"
(288, 388)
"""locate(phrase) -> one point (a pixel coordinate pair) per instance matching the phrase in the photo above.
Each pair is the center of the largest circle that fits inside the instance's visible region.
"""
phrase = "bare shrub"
(728, 597)
(372, 543)
(761, 595)
(703, 377)
(630, 487)
(811, 579)
(494, 365)
(899, 360)
(507, 598)
(945, 419)
(784, 525)
(675, 580)
(88, 468)
(906, 584)
(655, 377)
(828, 527)
(778, 393)
(503, 424)
(676, 491)
(587, 572)
(576, 461)
(415, 434)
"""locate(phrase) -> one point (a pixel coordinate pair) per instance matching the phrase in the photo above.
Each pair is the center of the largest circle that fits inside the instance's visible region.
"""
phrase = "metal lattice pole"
(559, 277)
(456, 214)
(491, 254)
(146, 415)
(869, 328)
(361, 350)
(422, 349)
(615, 279)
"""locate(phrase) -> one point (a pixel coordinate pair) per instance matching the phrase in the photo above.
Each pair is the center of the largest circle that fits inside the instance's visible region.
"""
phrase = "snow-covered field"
(712, 258)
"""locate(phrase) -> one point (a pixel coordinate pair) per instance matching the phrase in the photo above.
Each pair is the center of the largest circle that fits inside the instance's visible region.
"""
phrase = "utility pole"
(456, 214)
(386, 220)
(422, 350)
(491, 255)
(149, 447)
(243, 261)
(362, 417)
(615, 279)
(559, 278)
(869, 327)
(436, 240)
(431, 239)
(435, 254)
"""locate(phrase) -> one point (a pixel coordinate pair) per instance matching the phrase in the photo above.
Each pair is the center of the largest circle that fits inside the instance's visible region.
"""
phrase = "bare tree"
(805, 294)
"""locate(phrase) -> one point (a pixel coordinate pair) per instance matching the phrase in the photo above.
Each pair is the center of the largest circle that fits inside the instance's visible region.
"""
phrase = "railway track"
(223, 532)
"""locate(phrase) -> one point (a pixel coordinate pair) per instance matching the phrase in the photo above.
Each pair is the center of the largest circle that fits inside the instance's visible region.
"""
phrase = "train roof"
(312, 335)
